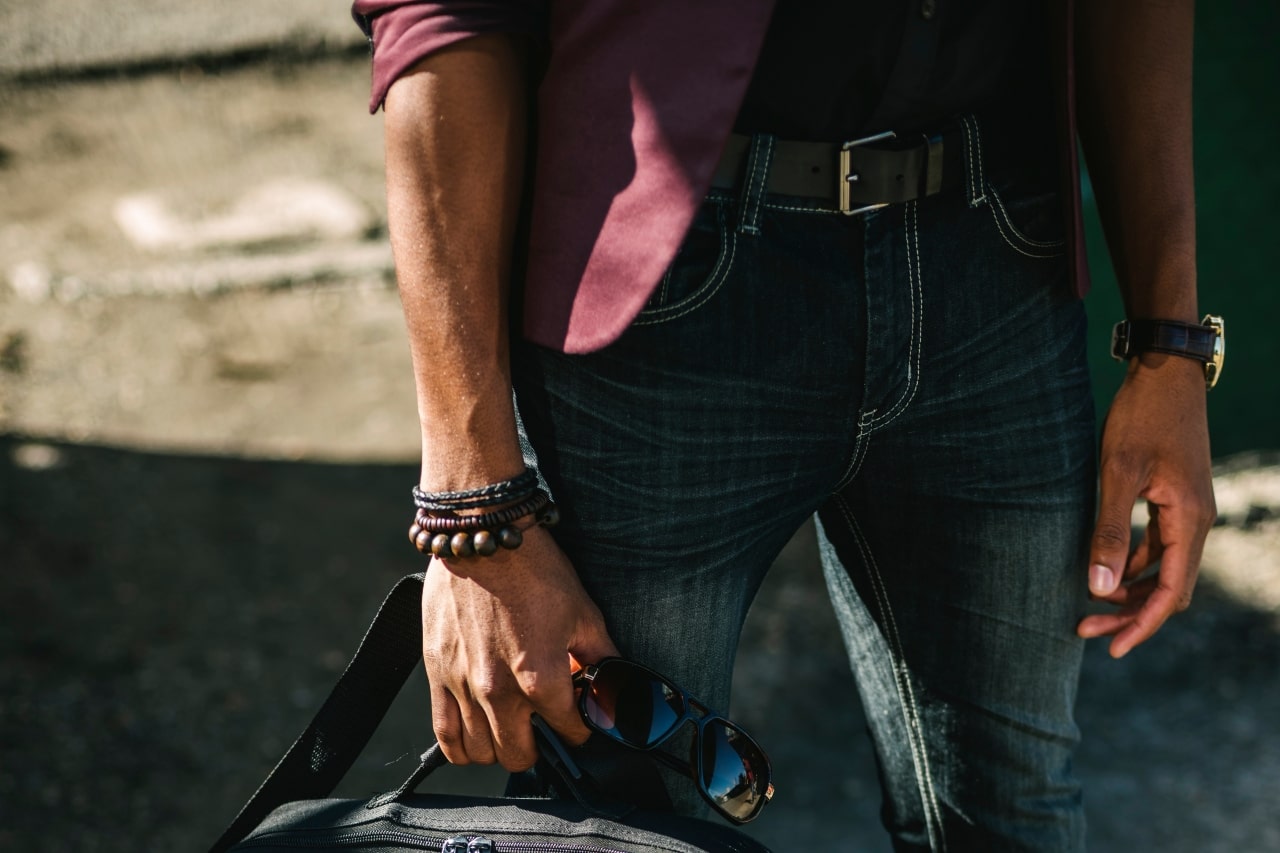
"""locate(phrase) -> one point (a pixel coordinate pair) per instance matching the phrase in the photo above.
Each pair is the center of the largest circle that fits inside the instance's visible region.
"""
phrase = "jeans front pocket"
(1019, 189)
(1030, 223)
(698, 269)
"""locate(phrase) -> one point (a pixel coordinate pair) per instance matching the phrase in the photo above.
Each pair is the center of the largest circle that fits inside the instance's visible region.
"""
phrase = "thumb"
(1109, 548)
(590, 644)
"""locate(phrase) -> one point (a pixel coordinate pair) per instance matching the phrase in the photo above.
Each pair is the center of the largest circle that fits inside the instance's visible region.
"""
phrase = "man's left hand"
(1155, 445)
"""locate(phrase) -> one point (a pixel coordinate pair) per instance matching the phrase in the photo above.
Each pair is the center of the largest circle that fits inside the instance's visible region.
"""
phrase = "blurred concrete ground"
(75, 36)
(207, 435)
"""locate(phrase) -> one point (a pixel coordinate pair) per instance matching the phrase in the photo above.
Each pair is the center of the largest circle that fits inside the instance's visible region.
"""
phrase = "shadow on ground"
(169, 622)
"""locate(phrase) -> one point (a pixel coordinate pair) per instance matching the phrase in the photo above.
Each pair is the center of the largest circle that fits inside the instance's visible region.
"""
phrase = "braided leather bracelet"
(518, 488)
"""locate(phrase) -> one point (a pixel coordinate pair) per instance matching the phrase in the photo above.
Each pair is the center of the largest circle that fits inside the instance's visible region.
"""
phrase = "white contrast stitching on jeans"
(910, 709)
(916, 277)
(977, 169)
(1002, 221)
(981, 178)
(700, 297)
(968, 159)
(1046, 244)
(859, 453)
(978, 177)
(759, 166)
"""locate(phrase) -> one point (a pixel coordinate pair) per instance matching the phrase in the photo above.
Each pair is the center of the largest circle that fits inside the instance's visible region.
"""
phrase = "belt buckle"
(848, 177)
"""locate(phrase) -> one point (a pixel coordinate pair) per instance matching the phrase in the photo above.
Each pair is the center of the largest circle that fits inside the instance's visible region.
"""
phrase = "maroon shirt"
(636, 103)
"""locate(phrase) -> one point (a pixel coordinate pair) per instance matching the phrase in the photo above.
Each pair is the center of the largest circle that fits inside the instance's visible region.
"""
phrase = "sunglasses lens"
(631, 705)
(734, 770)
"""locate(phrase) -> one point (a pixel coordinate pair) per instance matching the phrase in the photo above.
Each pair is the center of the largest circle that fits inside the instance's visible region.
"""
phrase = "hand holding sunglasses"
(641, 709)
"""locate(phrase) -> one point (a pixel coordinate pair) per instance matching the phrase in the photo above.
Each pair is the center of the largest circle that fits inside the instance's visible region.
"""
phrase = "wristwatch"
(1205, 343)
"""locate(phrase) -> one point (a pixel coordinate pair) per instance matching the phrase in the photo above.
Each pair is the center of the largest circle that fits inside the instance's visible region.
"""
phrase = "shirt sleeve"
(402, 32)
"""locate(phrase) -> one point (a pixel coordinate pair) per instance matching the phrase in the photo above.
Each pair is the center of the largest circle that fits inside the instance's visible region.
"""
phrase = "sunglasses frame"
(585, 676)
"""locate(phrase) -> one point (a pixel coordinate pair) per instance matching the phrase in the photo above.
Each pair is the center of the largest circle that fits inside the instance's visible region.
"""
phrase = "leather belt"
(854, 177)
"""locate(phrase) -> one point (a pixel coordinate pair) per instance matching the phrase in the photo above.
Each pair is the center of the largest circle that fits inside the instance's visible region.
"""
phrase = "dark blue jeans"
(916, 377)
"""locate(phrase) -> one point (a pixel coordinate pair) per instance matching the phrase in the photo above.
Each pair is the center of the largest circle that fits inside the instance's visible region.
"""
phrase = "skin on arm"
(497, 631)
(1134, 83)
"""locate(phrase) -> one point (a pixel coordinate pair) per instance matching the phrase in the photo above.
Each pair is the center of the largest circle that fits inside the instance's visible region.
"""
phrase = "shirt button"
(928, 8)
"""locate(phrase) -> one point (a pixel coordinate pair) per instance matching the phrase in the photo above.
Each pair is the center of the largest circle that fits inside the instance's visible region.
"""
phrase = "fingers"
(550, 694)
(590, 644)
(487, 720)
(1130, 596)
(446, 719)
(497, 647)
(476, 737)
(505, 712)
(1163, 602)
(1147, 602)
(548, 691)
(461, 725)
(494, 716)
(1150, 603)
(1149, 550)
(485, 725)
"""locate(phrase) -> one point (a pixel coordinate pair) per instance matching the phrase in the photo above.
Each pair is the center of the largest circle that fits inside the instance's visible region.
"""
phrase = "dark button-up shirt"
(835, 70)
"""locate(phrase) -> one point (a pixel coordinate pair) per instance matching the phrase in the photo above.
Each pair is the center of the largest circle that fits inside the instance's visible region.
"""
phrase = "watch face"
(1213, 367)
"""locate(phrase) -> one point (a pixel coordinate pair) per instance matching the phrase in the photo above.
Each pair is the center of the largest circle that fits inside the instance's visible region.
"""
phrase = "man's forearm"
(1134, 63)
(1135, 121)
(455, 136)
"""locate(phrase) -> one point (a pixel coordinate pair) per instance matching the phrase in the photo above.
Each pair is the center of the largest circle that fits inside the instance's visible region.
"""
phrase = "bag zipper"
(415, 841)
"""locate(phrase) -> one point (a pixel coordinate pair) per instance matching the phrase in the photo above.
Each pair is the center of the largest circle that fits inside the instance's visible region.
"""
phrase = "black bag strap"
(390, 650)
(322, 755)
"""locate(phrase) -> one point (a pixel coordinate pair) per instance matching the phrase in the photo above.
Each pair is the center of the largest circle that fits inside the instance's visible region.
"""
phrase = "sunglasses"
(639, 708)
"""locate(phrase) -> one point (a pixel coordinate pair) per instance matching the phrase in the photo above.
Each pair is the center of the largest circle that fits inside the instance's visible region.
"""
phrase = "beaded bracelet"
(518, 488)
(475, 535)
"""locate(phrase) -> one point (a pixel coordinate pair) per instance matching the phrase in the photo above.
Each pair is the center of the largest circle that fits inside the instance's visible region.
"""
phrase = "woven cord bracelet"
(518, 488)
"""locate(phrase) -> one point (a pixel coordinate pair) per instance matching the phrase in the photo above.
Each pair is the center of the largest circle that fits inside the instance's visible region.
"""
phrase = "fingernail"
(1102, 581)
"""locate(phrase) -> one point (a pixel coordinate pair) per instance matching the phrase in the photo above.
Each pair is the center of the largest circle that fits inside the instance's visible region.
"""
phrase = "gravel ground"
(202, 497)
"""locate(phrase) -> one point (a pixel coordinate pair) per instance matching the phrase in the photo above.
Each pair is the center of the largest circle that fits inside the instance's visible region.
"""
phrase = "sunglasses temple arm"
(552, 749)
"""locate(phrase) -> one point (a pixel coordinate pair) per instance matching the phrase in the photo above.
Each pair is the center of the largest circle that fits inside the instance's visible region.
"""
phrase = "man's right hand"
(497, 633)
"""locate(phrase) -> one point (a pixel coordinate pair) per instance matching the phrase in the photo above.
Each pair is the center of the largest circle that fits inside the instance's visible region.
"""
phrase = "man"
(906, 361)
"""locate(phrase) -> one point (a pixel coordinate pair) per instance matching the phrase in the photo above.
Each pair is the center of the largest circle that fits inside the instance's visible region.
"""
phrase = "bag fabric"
(290, 810)
(482, 825)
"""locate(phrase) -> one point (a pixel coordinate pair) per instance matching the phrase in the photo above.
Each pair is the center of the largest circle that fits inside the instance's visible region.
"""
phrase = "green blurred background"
(1237, 130)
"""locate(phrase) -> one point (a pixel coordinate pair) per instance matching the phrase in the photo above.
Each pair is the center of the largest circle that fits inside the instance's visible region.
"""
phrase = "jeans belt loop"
(755, 180)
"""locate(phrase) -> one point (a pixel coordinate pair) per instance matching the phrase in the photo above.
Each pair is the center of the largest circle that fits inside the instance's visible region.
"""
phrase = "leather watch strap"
(1185, 339)
(1202, 342)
